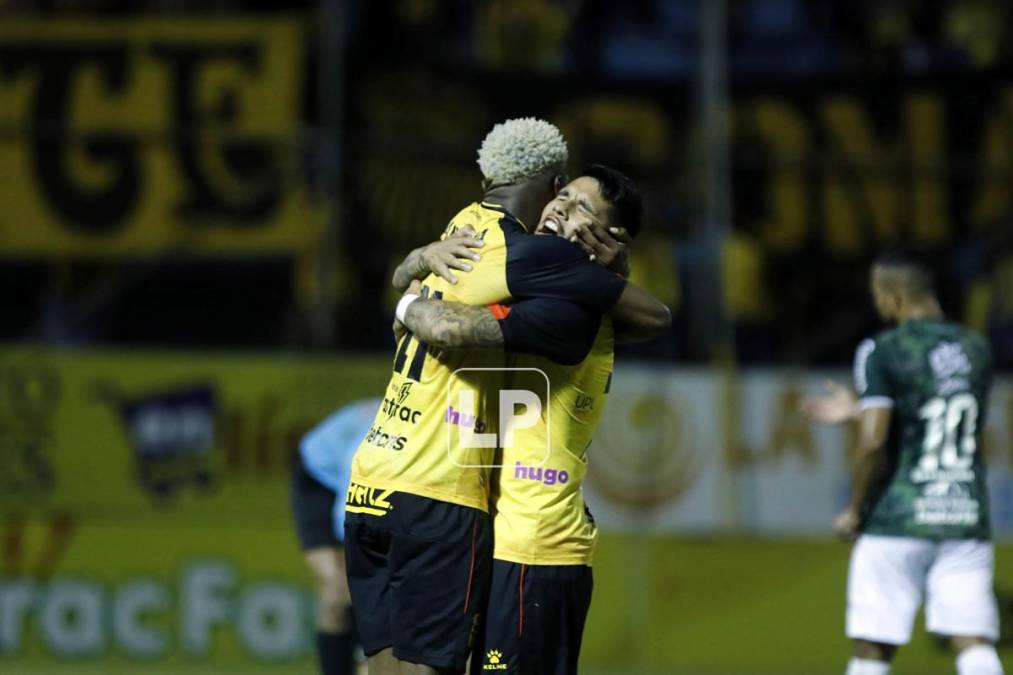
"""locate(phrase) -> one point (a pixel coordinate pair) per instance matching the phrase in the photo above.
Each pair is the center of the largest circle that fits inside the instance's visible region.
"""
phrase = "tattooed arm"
(451, 325)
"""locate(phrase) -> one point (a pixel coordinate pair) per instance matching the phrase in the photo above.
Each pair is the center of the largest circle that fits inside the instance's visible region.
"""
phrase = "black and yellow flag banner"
(141, 137)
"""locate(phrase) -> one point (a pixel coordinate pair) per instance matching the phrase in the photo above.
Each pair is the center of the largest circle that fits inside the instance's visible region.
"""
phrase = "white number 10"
(943, 420)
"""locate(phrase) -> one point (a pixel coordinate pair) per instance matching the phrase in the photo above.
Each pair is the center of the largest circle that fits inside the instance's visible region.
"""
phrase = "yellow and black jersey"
(539, 515)
(440, 408)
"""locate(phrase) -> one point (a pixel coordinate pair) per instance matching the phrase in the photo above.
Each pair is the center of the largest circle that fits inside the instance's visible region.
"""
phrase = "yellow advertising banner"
(144, 506)
(145, 523)
(146, 136)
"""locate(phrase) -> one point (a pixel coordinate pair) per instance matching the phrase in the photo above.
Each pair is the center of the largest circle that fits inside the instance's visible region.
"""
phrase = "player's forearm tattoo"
(450, 325)
(412, 267)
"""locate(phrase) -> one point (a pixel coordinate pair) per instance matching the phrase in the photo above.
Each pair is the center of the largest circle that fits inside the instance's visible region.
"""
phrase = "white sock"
(979, 660)
(867, 667)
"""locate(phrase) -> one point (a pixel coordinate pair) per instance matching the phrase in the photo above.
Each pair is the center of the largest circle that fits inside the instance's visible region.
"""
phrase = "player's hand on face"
(607, 246)
(453, 253)
(837, 405)
(846, 525)
(621, 260)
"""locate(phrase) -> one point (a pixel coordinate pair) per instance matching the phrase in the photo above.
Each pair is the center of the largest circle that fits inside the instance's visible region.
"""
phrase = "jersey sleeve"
(559, 330)
(872, 381)
(545, 266)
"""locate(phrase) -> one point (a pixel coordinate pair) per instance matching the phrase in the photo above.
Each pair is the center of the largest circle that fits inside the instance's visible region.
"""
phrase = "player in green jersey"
(919, 506)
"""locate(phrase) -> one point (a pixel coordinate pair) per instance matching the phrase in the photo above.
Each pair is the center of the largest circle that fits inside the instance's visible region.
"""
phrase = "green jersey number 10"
(950, 428)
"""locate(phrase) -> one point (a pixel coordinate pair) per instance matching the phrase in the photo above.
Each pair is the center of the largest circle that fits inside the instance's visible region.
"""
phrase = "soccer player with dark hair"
(919, 506)
(418, 532)
(544, 535)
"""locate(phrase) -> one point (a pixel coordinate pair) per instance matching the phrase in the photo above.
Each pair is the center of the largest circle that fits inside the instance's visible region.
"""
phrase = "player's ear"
(558, 182)
(895, 302)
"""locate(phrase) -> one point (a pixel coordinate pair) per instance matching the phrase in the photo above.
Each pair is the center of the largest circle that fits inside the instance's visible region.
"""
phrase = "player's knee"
(331, 581)
(332, 595)
(874, 651)
(959, 642)
(328, 576)
(334, 599)
(977, 657)
(334, 605)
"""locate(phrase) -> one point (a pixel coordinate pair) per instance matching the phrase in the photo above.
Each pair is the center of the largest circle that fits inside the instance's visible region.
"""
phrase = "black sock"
(334, 653)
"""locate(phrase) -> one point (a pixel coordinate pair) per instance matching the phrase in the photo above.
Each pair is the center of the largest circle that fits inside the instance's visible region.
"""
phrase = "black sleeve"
(546, 266)
(561, 331)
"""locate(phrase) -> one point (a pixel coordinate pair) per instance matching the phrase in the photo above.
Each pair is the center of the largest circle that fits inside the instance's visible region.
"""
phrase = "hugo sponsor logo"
(540, 474)
(365, 499)
(463, 419)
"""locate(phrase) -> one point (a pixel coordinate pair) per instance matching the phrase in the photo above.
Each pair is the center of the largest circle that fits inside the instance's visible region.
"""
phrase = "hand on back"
(453, 253)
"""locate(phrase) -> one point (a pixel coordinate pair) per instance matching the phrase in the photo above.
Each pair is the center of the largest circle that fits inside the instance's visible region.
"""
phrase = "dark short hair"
(622, 195)
(915, 268)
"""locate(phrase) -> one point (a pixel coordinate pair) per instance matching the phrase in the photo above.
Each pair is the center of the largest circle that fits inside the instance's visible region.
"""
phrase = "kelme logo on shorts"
(494, 660)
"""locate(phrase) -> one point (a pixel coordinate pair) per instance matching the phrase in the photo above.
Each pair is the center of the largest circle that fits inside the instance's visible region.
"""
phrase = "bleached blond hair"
(519, 149)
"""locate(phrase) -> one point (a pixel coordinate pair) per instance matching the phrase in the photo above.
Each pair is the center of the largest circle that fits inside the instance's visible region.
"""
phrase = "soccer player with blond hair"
(418, 531)
(544, 535)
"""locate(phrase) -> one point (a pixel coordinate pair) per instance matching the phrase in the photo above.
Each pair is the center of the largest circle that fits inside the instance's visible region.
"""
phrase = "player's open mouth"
(551, 225)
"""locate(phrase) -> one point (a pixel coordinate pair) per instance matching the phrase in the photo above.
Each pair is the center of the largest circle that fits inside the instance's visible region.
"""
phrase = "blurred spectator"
(978, 29)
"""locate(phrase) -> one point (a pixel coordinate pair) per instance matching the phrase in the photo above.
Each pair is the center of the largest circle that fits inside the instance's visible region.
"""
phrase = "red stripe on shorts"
(520, 592)
(471, 571)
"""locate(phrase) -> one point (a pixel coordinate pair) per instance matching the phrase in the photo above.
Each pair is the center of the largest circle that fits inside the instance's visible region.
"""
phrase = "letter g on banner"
(88, 209)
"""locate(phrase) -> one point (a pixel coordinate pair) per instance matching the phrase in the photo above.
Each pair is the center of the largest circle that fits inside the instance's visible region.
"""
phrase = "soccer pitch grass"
(734, 606)
(686, 606)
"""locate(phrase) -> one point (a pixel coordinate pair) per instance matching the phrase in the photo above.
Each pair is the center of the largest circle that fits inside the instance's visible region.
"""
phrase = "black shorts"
(313, 508)
(535, 619)
(418, 570)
